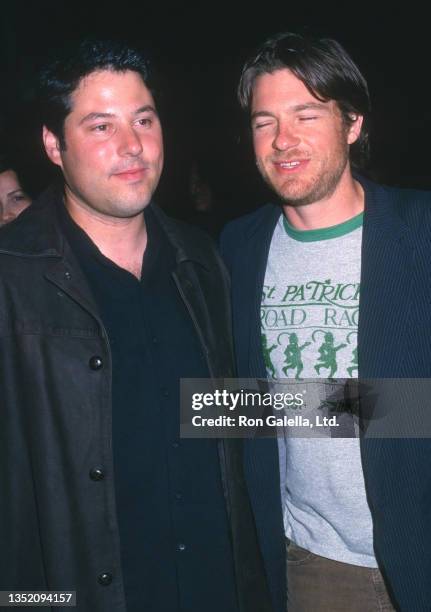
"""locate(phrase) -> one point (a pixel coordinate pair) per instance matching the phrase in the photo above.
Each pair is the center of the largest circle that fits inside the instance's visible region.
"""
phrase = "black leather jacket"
(57, 529)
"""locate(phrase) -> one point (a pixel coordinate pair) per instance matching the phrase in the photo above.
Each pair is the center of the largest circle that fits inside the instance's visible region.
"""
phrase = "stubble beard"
(124, 207)
(113, 204)
(296, 192)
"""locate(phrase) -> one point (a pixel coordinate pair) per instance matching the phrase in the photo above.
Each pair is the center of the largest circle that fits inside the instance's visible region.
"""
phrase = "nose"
(129, 142)
(285, 137)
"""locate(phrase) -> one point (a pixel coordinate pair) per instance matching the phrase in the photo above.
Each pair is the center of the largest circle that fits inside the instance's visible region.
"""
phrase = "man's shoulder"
(184, 229)
(188, 241)
(241, 230)
(419, 196)
(413, 206)
(246, 224)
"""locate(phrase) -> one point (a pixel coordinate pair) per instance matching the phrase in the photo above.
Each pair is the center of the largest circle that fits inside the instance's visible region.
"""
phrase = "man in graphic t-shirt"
(321, 286)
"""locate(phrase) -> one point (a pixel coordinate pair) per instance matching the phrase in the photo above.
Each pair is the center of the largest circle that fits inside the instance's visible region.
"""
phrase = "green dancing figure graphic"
(354, 365)
(354, 362)
(266, 355)
(328, 354)
(293, 356)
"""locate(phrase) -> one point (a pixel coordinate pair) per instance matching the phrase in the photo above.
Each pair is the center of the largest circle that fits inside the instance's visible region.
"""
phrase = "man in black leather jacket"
(105, 303)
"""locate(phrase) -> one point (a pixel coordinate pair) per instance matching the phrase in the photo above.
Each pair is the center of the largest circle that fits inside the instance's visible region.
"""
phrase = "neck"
(345, 202)
(122, 240)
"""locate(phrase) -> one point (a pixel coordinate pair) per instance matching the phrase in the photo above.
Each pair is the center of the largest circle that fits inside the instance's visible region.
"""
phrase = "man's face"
(301, 144)
(13, 199)
(114, 147)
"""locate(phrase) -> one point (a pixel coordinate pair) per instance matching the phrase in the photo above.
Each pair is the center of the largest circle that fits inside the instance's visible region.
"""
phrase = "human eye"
(18, 197)
(145, 122)
(263, 123)
(100, 128)
(308, 117)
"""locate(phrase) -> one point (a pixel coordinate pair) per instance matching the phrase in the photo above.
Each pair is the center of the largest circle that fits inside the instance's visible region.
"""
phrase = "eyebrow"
(296, 109)
(310, 106)
(94, 116)
(146, 109)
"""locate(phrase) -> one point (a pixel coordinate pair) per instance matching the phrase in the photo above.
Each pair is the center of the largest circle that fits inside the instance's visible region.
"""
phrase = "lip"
(299, 164)
(131, 174)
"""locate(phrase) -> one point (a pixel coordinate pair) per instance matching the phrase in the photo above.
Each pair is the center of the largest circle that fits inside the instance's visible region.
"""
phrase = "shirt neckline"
(324, 233)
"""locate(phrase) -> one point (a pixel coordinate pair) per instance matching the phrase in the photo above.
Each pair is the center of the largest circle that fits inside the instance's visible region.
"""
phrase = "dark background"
(200, 52)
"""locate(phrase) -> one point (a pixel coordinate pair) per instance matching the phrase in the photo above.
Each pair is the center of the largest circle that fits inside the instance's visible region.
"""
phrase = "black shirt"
(173, 527)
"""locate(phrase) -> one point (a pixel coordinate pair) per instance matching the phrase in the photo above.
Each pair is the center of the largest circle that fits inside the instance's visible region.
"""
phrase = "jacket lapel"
(386, 273)
(249, 292)
(261, 465)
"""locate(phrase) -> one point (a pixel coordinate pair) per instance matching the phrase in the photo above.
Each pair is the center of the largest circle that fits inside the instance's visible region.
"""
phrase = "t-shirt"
(309, 323)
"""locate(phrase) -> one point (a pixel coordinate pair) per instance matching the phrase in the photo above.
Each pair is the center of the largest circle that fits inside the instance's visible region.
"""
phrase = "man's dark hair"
(59, 79)
(325, 68)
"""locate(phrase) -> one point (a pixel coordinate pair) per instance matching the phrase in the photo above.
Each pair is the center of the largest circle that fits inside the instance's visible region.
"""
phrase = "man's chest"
(310, 308)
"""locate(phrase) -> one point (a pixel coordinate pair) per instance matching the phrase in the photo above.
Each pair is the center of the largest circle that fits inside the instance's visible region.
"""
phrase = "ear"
(52, 146)
(355, 127)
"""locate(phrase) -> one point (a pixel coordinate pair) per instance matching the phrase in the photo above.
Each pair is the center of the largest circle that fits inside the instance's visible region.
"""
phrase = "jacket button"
(97, 473)
(104, 579)
(181, 547)
(95, 362)
(67, 275)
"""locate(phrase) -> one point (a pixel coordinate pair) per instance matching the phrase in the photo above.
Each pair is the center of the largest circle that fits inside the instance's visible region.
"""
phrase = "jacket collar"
(182, 237)
(381, 212)
(37, 232)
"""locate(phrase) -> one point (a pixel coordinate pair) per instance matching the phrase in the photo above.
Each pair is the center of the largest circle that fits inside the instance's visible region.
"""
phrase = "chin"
(296, 197)
(299, 193)
(128, 213)
(297, 201)
(130, 207)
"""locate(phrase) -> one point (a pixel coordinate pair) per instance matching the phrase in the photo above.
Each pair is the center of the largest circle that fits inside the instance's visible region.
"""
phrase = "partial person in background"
(13, 198)
(205, 208)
